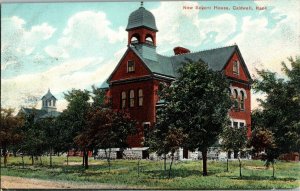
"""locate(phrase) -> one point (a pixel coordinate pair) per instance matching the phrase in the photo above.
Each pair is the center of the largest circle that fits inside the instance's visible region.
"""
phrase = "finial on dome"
(142, 3)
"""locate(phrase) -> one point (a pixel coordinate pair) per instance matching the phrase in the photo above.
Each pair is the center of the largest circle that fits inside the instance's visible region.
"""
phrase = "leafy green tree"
(199, 103)
(9, 132)
(52, 135)
(263, 146)
(281, 106)
(73, 120)
(34, 142)
(165, 138)
(107, 129)
(234, 140)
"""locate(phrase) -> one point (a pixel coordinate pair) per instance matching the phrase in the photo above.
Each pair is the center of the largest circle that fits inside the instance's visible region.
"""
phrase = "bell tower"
(49, 102)
(141, 27)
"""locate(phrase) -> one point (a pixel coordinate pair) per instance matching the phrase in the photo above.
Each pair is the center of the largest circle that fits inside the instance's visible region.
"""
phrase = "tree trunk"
(170, 169)
(107, 158)
(68, 158)
(82, 157)
(32, 161)
(109, 151)
(165, 164)
(204, 159)
(86, 157)
(227, 165)
(273, 170)
(235, 154)
(5, 158)
(240, 164)
(23, 161)
(229, 154)
(50, 157)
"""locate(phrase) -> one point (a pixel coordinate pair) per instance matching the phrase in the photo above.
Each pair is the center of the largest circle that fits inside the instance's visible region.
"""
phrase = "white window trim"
(239, 121)
(238, 67)
(128, 66)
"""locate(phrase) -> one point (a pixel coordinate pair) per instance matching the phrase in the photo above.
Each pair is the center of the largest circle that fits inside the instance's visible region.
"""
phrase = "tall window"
(242, 103)
(123, 99)
(131, 97)
(141, 97)
(236, 102)
(236, 67)
(130, 66)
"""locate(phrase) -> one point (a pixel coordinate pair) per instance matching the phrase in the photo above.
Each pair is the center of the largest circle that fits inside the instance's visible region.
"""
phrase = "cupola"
(49, 102)
(141, 27)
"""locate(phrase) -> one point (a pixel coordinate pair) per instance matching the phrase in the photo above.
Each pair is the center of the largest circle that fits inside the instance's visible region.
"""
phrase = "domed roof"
(141, 17)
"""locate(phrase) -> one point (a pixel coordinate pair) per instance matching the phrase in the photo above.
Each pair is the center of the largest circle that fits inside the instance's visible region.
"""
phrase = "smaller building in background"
(48, 109)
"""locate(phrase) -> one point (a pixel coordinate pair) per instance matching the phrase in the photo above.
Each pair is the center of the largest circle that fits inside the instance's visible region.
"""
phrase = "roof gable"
(120, 71)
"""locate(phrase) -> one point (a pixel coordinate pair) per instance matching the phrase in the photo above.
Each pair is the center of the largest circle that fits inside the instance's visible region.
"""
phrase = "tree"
(9, 133)
(107, 129)
(281, 106)
(234, 140)
(34, 142)
(165, 138)
(263, 146)
(52, 135)
(73, 120)
(199, 103)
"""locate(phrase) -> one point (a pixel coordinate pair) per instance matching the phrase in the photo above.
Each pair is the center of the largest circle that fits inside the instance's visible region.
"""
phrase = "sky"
(60, 46)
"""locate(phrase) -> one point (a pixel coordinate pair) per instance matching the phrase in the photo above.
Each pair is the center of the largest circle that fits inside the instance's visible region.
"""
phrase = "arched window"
(131, 98)
(229, 92)
(123, 99)
(130, 66)
(141, 97)
(242, 102)
(149, 39)
(135, 38)
(236, 67)
(236, 101)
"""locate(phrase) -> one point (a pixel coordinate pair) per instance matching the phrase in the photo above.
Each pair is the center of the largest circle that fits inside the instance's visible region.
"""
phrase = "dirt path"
(11, 182)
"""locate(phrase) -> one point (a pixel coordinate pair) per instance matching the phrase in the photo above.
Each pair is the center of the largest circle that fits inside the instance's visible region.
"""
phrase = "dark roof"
(48, 95)
(39, 113)
(141, 17)
(168, 65)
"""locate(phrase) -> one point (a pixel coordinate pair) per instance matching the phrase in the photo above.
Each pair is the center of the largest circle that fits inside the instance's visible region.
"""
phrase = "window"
(53, 102)
(236, 102)
(236, 67)
(235, 124)
(131, 97)
(242, 103)
(130, 66)
(141, 97)
(123, 99)
(242, 125)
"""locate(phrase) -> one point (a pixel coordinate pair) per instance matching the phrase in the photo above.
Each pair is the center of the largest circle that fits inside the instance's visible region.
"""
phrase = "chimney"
(180, 50)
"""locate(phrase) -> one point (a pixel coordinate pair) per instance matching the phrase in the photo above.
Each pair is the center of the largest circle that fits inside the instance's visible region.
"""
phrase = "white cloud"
(17, 42)
(264, 46)
(178, 26)
(88, 32)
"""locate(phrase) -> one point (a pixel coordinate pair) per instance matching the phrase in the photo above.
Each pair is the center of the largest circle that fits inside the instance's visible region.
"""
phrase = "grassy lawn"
(185, 175)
